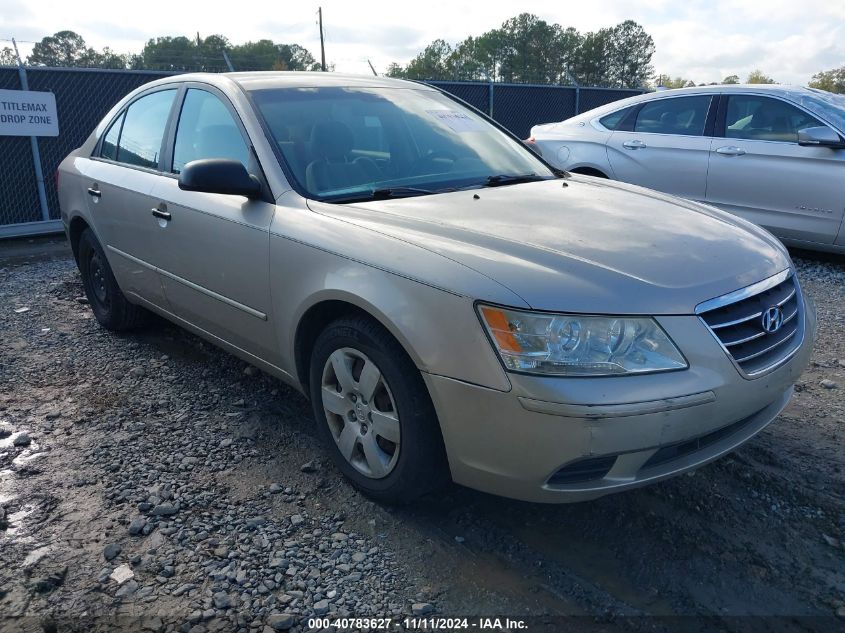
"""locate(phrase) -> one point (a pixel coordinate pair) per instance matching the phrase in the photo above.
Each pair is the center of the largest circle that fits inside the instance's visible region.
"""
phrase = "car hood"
(581, 244)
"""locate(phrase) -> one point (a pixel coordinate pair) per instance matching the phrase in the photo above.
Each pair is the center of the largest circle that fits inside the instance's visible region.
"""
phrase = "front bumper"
(561, 440)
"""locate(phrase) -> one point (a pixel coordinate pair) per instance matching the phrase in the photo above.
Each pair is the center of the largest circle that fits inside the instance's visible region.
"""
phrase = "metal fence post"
(33, 141)
(228, 62)
(490, 97)
(577, 99)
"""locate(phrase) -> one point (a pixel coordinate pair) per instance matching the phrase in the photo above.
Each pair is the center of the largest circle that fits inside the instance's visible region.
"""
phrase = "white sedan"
(774, 155)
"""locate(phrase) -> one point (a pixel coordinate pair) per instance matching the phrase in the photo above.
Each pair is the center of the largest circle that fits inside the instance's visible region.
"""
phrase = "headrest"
(331, 139)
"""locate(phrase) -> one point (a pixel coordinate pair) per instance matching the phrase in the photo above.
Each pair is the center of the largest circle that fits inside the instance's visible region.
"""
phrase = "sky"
(701, 40)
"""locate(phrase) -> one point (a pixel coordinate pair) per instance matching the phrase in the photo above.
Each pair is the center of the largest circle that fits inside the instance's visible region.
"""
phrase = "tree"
(8, 57)
(295, 57)
(260, 55)
(526, 49)
(678, 82)
(170, 53)
(431, 63)
(731, 79)
(267, 55)
(529, 50)
(468, 61)
(759, 77)
(109, 59)
(64, 48)
(830, 80)
(629, 50)
(592, 62)
(395, 70)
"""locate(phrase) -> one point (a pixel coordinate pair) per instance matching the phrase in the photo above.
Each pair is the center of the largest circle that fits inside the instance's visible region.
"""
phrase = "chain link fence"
(18, 192)
(84, 96)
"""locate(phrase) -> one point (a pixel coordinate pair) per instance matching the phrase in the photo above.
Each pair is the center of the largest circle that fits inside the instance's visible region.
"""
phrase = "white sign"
(28, 113)
(458, 121)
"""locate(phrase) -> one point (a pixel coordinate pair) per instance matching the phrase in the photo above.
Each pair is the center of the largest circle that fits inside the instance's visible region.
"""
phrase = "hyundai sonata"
(452, 305)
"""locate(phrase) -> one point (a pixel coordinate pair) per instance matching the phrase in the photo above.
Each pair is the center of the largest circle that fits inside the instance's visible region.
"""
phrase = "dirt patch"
(160, 444)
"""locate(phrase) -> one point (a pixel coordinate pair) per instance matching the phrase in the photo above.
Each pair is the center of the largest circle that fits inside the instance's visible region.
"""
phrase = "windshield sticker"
(458, 121)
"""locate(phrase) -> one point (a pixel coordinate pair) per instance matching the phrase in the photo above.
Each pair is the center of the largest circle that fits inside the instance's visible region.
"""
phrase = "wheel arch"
(75, 228)
(588, 170)
(325, 309)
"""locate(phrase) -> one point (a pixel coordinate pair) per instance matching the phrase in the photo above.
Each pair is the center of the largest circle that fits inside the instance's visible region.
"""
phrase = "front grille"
(737, 322)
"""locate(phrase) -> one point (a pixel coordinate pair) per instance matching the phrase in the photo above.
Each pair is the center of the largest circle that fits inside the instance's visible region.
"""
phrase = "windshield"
(825, 105)
(341, 143)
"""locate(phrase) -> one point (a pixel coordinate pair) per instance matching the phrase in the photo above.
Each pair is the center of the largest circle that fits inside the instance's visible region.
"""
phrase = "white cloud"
(703, 40)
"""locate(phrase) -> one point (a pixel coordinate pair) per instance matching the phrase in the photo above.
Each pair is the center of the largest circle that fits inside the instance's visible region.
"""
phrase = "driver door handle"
(635, 144)
(730, 150)
(160, 213)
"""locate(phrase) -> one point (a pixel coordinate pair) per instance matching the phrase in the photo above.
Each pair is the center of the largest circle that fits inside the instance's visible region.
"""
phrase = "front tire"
(111, 308)
(374, 413)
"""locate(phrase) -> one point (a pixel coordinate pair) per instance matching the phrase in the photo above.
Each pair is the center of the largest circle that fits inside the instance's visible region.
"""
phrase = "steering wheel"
(419, 166)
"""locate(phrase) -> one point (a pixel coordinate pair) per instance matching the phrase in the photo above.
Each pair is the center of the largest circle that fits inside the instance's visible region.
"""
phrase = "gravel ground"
(150, 481)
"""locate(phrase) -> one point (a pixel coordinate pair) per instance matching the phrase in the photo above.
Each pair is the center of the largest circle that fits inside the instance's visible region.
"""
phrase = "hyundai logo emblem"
(772, 319)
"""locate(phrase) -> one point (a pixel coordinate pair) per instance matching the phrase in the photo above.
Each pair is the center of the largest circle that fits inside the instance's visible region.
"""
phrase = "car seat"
(332, 169)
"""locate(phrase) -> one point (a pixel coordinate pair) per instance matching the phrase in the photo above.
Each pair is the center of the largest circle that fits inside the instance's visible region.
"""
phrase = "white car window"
(206, 130)
(678, 115)
(757, 118)
(611, 121)
(143, 129)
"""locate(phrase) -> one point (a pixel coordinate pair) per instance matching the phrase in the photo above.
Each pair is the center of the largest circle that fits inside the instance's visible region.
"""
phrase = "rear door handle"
(635, 144)
(730, 150)
(159, 213)
(93, 191)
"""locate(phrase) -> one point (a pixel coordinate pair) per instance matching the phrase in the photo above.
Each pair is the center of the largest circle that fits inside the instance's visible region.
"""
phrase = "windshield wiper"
(383, 193)
(510, 179)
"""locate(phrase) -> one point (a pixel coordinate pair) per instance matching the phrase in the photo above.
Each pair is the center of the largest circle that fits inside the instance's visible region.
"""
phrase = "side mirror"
(219, 175)
(821, 136)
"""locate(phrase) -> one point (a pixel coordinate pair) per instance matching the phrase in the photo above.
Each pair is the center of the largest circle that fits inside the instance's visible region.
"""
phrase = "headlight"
(576, 345)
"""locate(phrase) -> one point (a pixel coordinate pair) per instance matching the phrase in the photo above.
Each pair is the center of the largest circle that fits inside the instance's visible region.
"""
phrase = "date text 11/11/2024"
(431, 623)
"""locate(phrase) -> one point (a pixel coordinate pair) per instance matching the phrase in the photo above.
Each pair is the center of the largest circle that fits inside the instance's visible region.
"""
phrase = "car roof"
(791, 93)
(777, 89)
(261, 80)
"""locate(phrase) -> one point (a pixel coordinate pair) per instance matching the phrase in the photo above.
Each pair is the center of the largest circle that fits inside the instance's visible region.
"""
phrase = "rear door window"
(143, 130)
(678, 115)
(207, 130)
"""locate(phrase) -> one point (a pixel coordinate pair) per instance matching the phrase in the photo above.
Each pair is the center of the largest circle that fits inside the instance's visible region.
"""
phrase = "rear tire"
(374, 413)
(111, 308)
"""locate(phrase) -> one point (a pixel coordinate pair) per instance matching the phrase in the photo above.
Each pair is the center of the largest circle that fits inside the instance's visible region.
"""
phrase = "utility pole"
(371, 68)
(322, 43)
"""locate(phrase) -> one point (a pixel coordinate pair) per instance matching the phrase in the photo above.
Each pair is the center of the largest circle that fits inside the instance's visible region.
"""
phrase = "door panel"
(214, 258)
(666, 148)
(214, 248)
(121, 216)
(758, 171)
(119, 186)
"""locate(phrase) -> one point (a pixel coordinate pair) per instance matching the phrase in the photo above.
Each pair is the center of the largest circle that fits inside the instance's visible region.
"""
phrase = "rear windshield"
(338, 141)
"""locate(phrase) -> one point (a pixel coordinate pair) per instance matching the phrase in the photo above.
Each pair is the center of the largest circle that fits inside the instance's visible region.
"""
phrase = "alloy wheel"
(361, 412)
